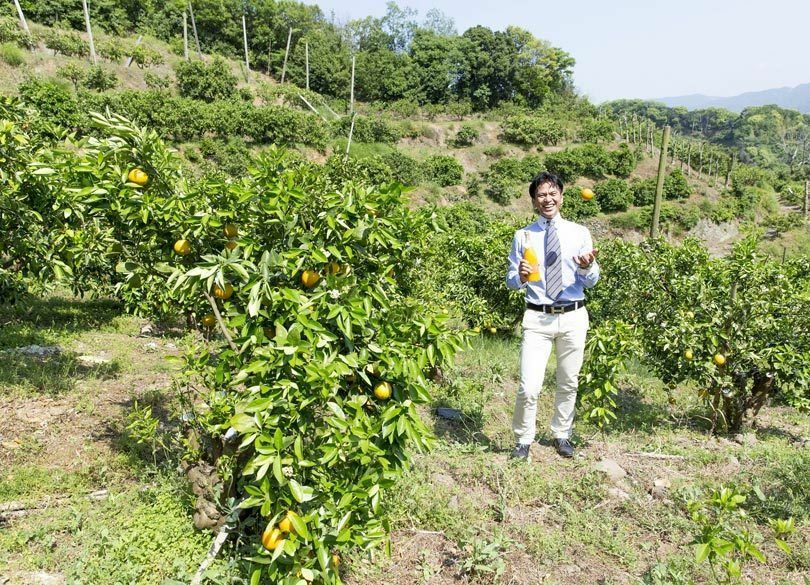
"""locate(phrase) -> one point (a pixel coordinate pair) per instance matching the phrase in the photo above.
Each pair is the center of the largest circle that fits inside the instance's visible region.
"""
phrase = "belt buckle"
(557, 310)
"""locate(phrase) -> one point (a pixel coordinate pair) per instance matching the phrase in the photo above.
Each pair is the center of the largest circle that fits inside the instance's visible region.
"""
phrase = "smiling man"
(555, 310)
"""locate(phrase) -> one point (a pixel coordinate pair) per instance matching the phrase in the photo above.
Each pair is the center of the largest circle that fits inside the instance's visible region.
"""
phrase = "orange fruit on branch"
(138, 176)
(182, 247)
(310, 278)
(230, 230)
(223, 293)
(209, 320)
(382, 391)
(719, 359)
(271, 537)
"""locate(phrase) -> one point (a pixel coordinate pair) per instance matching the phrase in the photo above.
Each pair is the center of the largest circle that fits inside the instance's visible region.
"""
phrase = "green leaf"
(702, 552)
(300, 526)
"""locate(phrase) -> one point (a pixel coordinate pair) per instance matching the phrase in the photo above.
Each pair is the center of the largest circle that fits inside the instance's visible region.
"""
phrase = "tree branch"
(221, 323)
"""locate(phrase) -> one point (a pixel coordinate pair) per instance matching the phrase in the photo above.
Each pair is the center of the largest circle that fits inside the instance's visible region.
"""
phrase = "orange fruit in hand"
(310, 278)
(382, 391)
(182, 247)
(587, 194)
(138, 177)
(209, 320)
(230, 230)
(223, 293)
(271, 537)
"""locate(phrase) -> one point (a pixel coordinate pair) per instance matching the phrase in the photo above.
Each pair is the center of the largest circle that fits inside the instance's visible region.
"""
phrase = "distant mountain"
(795, 98)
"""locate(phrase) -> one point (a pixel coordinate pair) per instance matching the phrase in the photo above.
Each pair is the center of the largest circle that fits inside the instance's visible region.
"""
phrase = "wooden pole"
(185, 35)
(730, 168)
(23, 23)
(306, 61)
(806, 199)
(194, 28)
(269, 54)
(89, 32)
(351, 131)
(286, 54)
(244, 36)
(659, 186)
(351, 94)
(131, 58)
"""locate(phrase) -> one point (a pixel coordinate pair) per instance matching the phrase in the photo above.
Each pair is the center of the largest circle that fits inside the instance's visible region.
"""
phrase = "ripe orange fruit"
(286, 524)
(476, 329)
(310, 278)
(230, 230)
(688, 354)
(587, 194)
(182, 247)
(209, 320)
(336, 560)
(719, 359)
(333, 268)
(138, 177)
(493, 330)
(382, 391)
(223, 293)
(271, 537)
(230, 244)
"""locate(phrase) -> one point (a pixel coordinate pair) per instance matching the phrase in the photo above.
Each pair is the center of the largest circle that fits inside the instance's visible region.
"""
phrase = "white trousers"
(567, 333)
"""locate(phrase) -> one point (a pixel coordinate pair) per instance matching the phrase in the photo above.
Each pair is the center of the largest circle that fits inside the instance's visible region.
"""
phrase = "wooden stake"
(286, 54)
(244, 35)
(89, 32)
(306, 61)
(131, 58)
(23, 23)
(185, 35)
(351, 94)
(269, 54)
(351, 131)
(659, 187)
(194, 28)
(806, 199)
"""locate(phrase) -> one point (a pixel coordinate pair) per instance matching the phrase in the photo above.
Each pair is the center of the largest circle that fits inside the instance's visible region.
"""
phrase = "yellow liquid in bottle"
(530, 257)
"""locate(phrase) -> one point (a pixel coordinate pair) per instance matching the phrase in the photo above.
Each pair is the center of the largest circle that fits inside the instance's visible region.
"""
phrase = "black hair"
(544, 177)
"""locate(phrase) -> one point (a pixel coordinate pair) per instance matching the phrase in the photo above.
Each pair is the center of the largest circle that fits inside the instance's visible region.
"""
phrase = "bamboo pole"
(89, 32)
(132, 58)
(194, 28)
(185, 35)
(20, 13)
(351, 131)
(244, 36)
(286, 55)
(306, 61)
(351, 94)
(659, 186)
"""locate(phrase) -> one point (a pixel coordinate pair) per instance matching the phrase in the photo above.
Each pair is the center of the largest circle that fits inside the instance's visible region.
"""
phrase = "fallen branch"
(222, 536)
(656, 455)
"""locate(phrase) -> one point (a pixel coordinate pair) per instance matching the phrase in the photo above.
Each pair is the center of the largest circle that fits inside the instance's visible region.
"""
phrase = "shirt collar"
(543, 223)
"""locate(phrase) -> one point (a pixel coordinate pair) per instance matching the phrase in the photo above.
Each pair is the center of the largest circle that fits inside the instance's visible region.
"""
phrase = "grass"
(481, 517)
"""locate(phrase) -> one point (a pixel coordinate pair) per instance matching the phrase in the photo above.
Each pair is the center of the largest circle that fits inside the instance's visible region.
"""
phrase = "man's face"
(547, 200)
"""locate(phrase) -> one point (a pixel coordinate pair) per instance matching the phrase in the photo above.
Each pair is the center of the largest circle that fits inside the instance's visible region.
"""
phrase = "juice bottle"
(530, 256)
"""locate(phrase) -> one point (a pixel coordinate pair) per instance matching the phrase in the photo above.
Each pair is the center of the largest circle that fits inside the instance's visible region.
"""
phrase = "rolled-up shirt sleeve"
(512, 274)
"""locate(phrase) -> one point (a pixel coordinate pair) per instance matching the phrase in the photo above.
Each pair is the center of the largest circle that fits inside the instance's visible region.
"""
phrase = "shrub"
(532, 131)
(111, 49)
(613, 195)
(73, 73)
(575, 208)
(643, 191)
(594, 130)
(53, 101)
(11, 54)
(205, 81)
(155, 81)
(676, 186)
(404, 168)
(230, 157)
(443, 170)
(10, 32)
(496, 151)
(466, 136)
(99, 79)
(624, 161)
(144, 56)
(368, 129)
(68, 43)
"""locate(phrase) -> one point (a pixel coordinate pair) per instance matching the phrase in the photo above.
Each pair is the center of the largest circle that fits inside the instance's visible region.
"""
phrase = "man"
(555, 311)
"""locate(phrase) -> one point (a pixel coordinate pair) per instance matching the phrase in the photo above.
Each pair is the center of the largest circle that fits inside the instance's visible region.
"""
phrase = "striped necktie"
(553, 263)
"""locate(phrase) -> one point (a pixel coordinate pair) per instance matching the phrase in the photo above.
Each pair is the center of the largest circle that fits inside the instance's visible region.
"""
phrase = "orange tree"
(736, 326)
(319, 370)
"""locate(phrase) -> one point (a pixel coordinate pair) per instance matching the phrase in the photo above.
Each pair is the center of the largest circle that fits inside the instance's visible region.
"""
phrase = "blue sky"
(714, 47)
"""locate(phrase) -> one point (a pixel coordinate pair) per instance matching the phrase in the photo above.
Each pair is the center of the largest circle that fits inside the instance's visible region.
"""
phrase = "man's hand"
(524, 269)
(586, 259)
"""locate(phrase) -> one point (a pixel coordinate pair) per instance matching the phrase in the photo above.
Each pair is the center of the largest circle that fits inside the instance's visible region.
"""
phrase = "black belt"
(556, 309)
